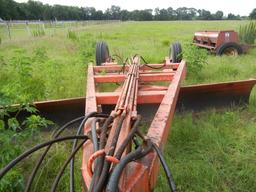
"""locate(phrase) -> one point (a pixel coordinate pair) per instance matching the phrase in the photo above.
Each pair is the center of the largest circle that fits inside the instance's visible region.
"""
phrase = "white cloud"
(242, 7)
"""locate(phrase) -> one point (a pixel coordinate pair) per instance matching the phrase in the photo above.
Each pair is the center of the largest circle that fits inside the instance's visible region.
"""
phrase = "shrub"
(12, 142)
(195, 58)
(34, 122)
(247, 33)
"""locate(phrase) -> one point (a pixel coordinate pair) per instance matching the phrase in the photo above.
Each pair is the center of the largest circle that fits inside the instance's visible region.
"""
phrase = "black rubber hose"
(114, 178)
(106, 165)
(117, 171)
(94, 134)
(143, 60)
(146, 64)
(103, 141)
(166, 168)
(160, 67)
(72, 163)
(104, 129)
(95, 148)
(55, 135)
(57, 179)
(123, 66)
(128, 138)
(9, 166)
(62, 128)
(41, 158)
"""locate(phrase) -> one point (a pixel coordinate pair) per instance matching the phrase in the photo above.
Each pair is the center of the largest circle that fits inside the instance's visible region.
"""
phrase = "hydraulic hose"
(132, 156)
(41, 158)
(57, 179)
(95, 148)
(9, 166)
(106, 165)
(79, 130)
(128, 138)
(166, 168)
(55, 135)
(103, 141)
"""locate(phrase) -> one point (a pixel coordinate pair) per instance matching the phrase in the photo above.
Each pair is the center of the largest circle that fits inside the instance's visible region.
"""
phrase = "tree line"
(35, 10)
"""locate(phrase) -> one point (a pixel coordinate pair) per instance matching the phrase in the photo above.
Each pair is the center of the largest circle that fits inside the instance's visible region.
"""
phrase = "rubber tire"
(220, 50)
(175, 52)
(102, 52)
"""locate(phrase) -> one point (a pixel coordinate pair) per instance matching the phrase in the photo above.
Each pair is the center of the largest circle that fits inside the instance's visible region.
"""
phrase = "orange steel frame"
(139, 175)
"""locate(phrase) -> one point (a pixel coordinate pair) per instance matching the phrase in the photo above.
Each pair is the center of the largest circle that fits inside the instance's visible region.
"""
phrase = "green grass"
(212, 151)
(207, 151)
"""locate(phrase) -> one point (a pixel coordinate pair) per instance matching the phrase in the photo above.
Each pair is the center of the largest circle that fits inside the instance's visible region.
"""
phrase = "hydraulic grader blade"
(192, 98)
(215, 95)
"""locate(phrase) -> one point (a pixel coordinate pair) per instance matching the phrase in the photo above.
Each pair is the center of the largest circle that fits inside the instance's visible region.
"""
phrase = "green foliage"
(87, 49)
(196, 59)
(211, 151)
(38, 32)
(10, 147)
(13, 135)
(40, 55)
(20, 80)
(34, 122)
(0, 40)
(19, 84)
(72, 35)
(14, 124)
(228, 70)
(12, 182)
(2, 125)
(247, 33)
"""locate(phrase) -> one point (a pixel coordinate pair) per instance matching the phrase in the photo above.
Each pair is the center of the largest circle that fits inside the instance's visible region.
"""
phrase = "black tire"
(230, 48)
(102, 52)
(175, 52)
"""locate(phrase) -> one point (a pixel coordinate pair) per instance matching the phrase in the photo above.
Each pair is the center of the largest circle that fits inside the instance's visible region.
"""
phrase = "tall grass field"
(213, 150)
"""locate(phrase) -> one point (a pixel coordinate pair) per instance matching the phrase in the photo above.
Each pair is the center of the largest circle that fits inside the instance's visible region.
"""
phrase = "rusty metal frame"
(139, 175)
(212, 40)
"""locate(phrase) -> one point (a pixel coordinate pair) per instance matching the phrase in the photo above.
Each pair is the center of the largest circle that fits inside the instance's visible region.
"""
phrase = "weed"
(34, 122)
(38, 32)
(247, 33)
(195, 58)
(87, 49)
(72, 35)
(228, 70)
(40, 55)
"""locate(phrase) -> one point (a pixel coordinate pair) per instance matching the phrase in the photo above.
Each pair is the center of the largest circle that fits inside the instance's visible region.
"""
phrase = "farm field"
(207, 151)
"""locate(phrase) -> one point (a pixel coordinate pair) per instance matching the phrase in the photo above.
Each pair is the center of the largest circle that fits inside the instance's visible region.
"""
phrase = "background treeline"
(35, 10)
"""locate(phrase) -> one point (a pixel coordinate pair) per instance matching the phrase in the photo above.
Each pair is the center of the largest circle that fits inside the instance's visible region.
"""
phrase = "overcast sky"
(242, 7)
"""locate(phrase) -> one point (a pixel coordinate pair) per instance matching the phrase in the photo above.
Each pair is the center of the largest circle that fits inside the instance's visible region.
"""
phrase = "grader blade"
(191, 98)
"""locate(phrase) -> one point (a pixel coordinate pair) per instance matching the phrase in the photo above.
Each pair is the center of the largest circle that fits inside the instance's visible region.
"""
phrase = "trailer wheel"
(230, 49)
(102, 52)
(175, 52)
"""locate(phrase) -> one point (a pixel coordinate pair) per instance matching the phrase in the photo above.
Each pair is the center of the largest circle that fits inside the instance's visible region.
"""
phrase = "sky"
(241, 7)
